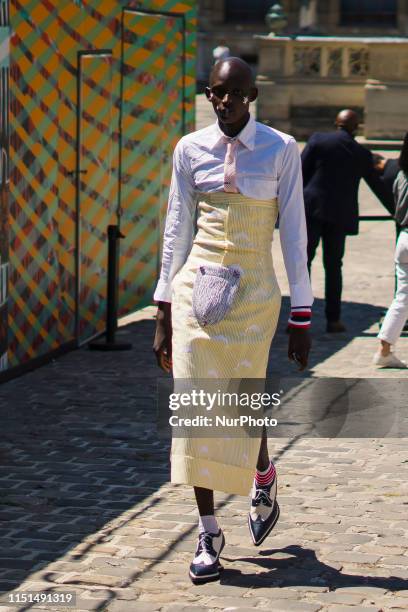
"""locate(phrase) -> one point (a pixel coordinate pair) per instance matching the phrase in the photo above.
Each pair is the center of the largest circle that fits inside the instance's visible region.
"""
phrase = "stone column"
(324, 61)
(345, 58)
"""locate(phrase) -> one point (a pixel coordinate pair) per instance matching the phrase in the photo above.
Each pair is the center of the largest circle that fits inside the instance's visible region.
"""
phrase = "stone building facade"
(303, 82)
(331, 54)
(236, 21)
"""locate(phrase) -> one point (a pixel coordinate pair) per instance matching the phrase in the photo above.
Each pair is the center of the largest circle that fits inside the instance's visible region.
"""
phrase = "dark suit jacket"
(333, 165)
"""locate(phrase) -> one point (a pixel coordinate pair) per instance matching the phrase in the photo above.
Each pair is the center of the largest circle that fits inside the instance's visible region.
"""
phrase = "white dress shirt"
(267, 166)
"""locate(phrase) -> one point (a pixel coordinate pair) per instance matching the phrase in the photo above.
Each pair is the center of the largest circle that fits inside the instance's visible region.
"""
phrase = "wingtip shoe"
(264, 512)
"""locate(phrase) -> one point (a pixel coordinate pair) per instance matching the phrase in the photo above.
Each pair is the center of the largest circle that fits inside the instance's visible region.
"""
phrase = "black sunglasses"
(219, 93)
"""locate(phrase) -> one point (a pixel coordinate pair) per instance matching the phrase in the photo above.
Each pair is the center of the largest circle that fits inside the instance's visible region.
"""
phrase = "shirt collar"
(246, 136)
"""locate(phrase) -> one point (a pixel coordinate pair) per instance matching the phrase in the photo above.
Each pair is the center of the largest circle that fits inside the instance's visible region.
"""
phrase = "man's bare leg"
(205, 501)
(263, 457)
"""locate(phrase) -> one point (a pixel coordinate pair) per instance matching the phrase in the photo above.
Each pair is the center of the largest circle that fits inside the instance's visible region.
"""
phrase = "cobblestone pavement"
(86, 507)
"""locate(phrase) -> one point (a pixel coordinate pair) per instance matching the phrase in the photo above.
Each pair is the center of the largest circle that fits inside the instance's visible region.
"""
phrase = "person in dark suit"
(333, 164)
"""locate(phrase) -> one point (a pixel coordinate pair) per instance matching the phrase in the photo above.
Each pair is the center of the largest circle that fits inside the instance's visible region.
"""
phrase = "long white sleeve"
(179, 228)
(292, 226)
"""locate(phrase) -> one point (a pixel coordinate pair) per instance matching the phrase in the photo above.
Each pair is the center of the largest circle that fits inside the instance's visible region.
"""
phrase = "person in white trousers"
(397, 313)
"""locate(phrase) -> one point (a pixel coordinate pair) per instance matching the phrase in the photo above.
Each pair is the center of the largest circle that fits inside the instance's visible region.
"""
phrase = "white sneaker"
(390, 361)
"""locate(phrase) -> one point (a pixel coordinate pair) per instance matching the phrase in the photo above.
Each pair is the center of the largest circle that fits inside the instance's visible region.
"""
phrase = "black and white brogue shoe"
(264, 512)
(206, 566)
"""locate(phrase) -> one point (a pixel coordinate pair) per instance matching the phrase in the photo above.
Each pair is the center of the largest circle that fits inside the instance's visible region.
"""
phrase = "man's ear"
(253, 94)
(207, 92)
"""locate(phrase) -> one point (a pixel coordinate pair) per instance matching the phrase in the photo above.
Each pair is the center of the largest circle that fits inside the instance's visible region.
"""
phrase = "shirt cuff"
(301, 294)
(300, 317)
(163, 292)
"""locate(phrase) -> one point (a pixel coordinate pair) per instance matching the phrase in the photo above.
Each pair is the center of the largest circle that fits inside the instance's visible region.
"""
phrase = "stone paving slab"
(86, 506)
(341, 539)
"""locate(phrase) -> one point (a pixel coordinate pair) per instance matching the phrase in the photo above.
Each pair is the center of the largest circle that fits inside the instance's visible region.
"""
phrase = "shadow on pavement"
(79, 447)
(301, 567)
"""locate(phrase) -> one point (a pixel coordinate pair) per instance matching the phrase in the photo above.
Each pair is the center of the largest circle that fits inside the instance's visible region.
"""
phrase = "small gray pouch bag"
(213, 293)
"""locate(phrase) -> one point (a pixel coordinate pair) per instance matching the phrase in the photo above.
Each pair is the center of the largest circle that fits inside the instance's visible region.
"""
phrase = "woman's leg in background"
(397, 313)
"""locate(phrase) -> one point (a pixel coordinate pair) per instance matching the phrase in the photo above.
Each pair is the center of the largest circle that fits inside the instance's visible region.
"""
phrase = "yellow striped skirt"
(233, 230)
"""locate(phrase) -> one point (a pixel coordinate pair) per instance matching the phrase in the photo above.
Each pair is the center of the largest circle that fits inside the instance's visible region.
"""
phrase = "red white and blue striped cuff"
(300, 316)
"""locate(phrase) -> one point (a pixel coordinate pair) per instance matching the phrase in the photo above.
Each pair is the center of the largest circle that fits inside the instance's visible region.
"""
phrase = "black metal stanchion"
(110, 344)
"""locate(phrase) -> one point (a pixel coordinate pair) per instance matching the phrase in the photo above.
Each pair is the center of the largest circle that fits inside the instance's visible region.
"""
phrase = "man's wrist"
(163, 312)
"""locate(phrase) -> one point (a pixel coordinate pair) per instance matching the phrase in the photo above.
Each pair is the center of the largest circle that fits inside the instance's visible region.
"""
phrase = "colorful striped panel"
(47, 37)
(96, 205)
(152, 124)
(4, 177)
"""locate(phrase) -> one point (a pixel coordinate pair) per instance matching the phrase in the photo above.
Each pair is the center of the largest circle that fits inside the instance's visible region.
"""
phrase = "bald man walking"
(218, 297)
(333, 165)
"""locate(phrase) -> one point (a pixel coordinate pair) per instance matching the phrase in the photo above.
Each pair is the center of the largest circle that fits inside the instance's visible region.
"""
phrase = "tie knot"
(232, 142)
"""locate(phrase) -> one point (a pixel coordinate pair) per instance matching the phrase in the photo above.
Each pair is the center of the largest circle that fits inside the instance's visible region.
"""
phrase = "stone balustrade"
(313, 76)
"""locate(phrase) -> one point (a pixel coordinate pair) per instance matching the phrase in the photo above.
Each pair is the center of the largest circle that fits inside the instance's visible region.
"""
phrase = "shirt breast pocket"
(259, 186)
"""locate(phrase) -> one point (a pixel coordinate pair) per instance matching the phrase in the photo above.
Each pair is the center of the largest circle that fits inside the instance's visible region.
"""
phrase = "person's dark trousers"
(333, 242)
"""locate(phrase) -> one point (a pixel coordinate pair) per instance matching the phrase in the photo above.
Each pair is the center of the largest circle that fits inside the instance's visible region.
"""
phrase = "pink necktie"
(230, 172)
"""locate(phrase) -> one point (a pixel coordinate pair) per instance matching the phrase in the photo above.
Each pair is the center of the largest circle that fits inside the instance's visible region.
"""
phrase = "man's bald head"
(232, 68)
(347, 120)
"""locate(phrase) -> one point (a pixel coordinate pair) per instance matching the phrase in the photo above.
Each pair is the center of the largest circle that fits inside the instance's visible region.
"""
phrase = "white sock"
(208, 523)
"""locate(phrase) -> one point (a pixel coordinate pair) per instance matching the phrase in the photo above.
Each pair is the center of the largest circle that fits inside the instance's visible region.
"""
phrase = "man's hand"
(162, 338)
(299, 346)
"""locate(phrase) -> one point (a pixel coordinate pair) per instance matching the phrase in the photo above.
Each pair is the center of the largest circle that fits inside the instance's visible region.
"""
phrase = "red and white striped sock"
(265, 478)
